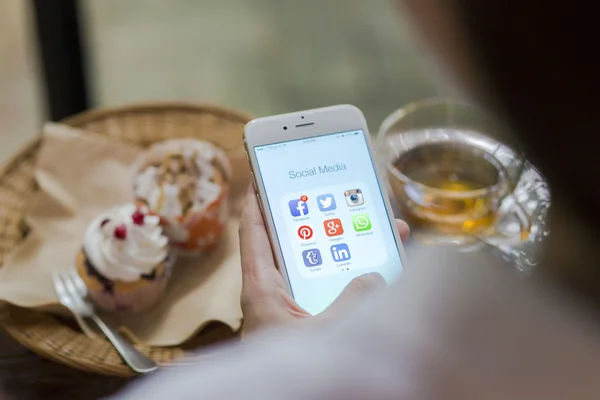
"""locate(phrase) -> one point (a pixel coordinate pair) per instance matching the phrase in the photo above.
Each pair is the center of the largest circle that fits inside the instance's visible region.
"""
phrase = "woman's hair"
(540, 63)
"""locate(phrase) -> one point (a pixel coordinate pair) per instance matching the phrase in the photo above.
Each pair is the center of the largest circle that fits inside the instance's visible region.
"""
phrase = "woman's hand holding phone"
(265, 300)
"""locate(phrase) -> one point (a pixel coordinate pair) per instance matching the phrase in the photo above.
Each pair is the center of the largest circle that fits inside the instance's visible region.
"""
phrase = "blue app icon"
(298, 208)
(326, 202)
(312, 257)
(340, 252)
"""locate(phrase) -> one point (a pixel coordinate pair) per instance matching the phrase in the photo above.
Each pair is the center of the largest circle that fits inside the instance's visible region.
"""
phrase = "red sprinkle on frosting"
(138, 217)
(121, 232)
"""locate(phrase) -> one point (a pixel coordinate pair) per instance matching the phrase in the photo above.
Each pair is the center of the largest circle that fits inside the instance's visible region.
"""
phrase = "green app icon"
(361, 222)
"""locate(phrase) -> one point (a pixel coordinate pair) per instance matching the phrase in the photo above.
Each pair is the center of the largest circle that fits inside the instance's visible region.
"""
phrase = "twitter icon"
(326, 202)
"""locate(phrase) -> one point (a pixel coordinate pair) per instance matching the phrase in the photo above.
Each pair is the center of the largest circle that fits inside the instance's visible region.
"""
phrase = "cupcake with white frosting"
(186, 183)
(125, 260)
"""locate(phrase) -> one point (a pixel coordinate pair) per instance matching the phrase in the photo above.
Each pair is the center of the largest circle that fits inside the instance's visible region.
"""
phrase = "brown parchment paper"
(80, 175)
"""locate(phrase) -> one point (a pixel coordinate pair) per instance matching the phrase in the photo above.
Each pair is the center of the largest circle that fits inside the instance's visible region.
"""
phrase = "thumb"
(358, 288)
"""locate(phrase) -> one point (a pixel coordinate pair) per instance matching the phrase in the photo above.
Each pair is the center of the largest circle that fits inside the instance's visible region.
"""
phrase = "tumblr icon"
(312, 257)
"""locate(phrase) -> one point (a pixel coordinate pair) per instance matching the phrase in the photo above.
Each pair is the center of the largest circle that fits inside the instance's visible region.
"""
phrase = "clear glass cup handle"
(525, 222)
(503, 228)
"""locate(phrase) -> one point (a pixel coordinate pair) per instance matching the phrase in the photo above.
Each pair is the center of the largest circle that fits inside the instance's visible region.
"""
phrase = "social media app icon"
(298, 208)
(326, 202)
(361, 222)
(340, 252)
(354, 197)
(333, 227)
(312, 257)
(305, 232)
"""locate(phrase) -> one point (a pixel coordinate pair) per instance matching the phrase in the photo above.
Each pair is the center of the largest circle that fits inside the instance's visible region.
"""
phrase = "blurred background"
(263, 56)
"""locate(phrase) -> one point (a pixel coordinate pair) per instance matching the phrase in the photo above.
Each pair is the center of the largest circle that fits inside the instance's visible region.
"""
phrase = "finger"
(403, 229)
(251, 213)
(358, 288)
(257, 258)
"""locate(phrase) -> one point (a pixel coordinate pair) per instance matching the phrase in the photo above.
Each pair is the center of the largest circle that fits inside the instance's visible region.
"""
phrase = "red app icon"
(305, 232)
(333, 227)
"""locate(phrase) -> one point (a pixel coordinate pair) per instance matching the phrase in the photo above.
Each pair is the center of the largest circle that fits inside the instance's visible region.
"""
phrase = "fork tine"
(71, 289)
(59, 287)
(72, 302)
(78, 282)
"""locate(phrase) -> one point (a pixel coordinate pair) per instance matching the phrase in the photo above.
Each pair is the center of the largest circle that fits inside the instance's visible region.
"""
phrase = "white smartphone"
(323, 200)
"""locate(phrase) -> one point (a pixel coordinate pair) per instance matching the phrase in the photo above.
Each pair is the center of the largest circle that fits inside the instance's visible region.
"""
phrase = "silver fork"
(72, 293)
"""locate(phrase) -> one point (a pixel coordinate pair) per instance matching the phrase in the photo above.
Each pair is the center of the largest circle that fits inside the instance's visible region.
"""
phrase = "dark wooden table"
(24, 375)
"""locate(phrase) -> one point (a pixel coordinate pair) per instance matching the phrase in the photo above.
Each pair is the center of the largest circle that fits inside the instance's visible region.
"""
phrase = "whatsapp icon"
(361, 222)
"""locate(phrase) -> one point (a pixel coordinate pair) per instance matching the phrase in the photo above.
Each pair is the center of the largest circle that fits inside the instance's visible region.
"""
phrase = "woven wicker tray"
(59, 340)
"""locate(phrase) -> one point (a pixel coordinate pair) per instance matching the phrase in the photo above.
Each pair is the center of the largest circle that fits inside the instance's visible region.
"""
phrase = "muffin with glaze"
(185, 182)
(125, 261)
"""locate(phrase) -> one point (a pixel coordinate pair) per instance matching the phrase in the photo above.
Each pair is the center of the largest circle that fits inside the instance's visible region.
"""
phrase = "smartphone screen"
(329, 214)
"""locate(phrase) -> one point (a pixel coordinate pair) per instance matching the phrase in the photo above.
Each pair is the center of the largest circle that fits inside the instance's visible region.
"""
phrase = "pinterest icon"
(305, 232)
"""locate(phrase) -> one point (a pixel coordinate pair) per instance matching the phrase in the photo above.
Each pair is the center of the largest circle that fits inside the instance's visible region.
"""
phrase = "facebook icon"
(298, 208)
(312, 257)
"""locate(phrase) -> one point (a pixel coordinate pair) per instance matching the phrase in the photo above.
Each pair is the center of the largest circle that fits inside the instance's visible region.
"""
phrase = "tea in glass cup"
(448, 172)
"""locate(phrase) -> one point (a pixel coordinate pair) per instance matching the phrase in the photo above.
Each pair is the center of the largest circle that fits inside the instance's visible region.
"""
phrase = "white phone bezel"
(301, 125)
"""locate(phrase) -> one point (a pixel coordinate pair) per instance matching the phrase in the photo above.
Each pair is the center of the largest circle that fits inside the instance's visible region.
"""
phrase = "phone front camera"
(285, 128)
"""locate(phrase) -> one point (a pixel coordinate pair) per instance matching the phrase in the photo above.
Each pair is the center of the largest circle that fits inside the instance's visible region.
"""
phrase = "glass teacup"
(452, 172)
